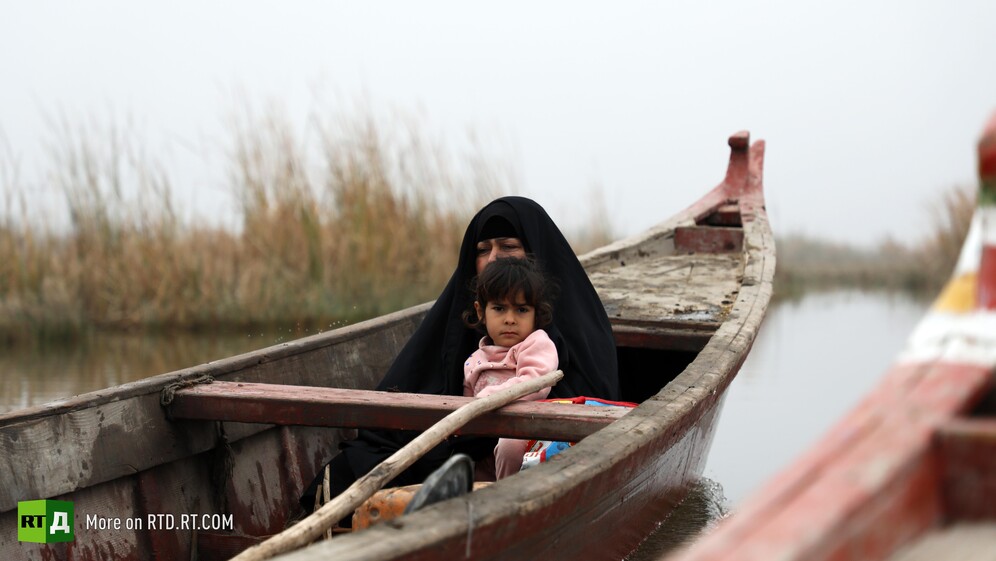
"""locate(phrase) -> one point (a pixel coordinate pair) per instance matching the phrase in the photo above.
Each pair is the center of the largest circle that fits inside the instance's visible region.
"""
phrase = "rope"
(169, 392)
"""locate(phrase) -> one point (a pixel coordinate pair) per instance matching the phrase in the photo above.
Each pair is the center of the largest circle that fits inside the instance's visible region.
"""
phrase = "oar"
(312, 527)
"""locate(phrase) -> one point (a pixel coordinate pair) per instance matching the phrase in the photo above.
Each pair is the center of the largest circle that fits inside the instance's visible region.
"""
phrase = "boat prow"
(910, 473)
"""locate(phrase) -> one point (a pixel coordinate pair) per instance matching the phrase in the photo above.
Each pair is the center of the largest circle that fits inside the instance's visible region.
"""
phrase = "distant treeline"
(806, 263)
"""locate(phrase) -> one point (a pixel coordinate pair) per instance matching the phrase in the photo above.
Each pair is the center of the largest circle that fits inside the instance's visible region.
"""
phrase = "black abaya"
(432, 360)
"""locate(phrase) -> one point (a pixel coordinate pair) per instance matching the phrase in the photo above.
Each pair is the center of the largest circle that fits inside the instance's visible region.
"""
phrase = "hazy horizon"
(869, 110)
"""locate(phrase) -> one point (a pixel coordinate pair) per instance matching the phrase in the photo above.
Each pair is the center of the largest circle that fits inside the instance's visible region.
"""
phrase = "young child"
(513, 304)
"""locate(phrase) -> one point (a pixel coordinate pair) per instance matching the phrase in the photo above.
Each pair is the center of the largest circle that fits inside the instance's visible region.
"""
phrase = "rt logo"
(45, 521)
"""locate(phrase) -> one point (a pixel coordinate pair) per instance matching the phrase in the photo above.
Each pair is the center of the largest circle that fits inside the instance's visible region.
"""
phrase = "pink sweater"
(493, 368)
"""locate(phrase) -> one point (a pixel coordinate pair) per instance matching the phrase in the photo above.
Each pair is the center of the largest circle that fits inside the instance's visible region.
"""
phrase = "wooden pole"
(312, 527)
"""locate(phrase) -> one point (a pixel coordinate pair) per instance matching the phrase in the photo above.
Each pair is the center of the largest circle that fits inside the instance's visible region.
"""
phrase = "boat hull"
(686, 299)
(914, 464)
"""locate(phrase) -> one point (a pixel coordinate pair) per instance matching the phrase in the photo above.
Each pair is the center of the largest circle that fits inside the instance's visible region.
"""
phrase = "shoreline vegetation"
(347, 220)
(919, 269)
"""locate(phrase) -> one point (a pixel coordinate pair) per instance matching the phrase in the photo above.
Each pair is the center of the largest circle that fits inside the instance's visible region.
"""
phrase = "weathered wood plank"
(725, 215)
(334, 407)
(60, 447)
(661, 338)
(679, 292)
(708, 239)
(967, 449)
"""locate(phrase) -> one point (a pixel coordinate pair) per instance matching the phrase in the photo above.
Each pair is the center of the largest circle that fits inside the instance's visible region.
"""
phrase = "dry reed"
(366, 220)
(951, 218)
(346, 220)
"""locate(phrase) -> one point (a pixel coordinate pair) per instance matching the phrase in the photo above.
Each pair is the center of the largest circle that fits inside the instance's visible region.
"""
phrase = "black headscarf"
(432, 360)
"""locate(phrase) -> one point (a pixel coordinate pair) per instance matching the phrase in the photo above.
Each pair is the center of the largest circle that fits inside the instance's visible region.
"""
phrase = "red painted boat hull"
(915, 458)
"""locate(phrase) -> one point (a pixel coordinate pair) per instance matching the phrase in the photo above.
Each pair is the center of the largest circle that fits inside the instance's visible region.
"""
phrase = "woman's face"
(489, 250)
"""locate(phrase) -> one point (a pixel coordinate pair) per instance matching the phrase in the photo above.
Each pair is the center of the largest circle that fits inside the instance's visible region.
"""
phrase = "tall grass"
(363, 220)
(342, 219)
(951, 217)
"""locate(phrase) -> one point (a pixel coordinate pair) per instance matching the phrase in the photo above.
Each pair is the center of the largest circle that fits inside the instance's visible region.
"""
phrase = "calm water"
(813, 360)
(811, 363)
(40, 374)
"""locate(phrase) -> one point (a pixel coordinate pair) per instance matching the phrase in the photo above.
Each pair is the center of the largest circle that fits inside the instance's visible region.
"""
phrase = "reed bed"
(922, 268)
(347, 220)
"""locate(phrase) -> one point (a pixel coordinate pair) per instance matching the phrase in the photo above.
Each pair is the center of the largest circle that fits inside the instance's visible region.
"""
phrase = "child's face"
(507, 322)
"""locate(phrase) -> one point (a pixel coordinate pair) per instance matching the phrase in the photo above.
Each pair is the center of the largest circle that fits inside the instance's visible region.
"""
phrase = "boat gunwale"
(142, 397)
(218, 368)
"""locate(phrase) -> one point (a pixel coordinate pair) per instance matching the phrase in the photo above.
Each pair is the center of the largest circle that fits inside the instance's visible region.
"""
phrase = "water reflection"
(811, 363)
(702, 509)
(42, 373)
(814, 358)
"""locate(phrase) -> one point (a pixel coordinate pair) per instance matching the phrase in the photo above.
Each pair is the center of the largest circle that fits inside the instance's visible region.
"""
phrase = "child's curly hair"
(504, 279)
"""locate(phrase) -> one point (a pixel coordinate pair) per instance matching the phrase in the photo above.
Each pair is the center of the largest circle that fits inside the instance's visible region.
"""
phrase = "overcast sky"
(870, 109)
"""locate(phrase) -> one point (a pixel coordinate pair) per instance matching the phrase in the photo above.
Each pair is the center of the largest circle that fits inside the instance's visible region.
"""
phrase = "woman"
(432, 360)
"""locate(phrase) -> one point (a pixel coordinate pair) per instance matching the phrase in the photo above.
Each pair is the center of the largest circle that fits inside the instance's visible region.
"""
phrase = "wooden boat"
(686, 299)
(910, 473)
